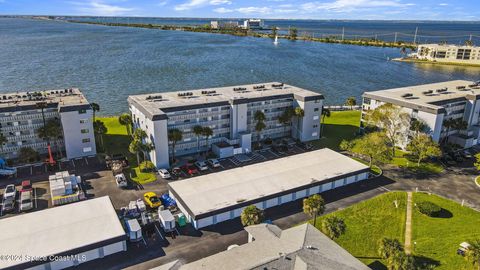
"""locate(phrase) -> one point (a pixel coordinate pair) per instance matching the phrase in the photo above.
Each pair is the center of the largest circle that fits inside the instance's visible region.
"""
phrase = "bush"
(428, 208)
(146, 166)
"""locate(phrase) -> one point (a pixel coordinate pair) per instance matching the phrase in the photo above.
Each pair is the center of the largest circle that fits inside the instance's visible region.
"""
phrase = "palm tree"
(139, 134)
(27, 154)
(207, 132)
(135, 147)
(286, 117)
(299, 113)
(55, 132)
(448, 124)
(333, 227)
(95, 108)
(147, 148)
(351, 101)
(390, 250)
(126, 120)
(473, 253)
(174, 135)
(198, 131)
(259, 117)
(100, 129)
(251, 215)
(325, 113)
(460, 124)
(314, 206)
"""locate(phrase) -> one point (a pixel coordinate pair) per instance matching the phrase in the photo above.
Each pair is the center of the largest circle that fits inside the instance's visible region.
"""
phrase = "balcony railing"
(26, 117)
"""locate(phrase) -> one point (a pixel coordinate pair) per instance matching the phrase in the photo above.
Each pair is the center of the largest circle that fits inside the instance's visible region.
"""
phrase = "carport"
(214, 198)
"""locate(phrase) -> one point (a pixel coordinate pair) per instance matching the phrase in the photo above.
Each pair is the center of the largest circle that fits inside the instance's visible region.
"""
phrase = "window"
(316, 109)
(85, 130)
(315, 126)
(82, 111)
(87, 140)
(83, 121)
(315, 117)
(366, 101)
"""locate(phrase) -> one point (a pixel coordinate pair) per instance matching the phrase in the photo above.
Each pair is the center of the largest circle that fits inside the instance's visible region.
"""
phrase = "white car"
(121, 180)
(10, 192)
(201, 165)
(214, 163)
(26, 202)
(164, 173)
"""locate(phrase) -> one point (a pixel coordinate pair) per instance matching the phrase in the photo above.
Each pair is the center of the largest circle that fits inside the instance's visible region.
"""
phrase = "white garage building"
(217, 197)
(61, 237)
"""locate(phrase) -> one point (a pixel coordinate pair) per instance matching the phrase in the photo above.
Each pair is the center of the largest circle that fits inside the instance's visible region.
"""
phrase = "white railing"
(24, 117)
(22, 127)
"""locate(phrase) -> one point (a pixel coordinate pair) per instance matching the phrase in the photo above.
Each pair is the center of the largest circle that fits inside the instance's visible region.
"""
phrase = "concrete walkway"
(408, 225)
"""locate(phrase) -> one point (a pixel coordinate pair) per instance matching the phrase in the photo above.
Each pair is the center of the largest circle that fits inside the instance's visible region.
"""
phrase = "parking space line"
(273, 153)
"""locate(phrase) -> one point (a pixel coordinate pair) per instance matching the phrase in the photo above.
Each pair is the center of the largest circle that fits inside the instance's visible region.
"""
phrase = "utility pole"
(376, 36)
(415, 38)
(343, 33)
(470, 37)
(396, 37)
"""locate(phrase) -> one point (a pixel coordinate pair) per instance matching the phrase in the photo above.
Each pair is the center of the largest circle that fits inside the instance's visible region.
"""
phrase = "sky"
(468, 10)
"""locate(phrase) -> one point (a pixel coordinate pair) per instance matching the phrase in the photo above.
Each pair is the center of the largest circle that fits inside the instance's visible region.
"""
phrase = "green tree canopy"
(333, 226)
(373, 146)
(174, 135)
(27, 155)
(351, 101)
(125, 119)
(314, 206)
(95, 108)
(473, 253)
(422, 146)
(251, 215)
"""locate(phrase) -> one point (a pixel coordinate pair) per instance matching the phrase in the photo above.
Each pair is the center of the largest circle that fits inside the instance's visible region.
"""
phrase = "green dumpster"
(182, 220)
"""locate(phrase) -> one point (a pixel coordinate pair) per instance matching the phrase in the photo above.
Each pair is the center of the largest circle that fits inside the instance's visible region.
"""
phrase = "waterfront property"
(445, 53)
(229, 112)
(214, 198)
(22, 114)
(63, 236)
(435, 104)
(254, 24)
(269, 247)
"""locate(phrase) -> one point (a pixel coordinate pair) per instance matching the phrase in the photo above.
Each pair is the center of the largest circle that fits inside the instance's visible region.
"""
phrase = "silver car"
(201, 165)
(214, 163)
(26, 202)
(10, 192)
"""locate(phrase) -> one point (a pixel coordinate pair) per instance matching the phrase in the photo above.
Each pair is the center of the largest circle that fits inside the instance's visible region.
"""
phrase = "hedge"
(428, 208)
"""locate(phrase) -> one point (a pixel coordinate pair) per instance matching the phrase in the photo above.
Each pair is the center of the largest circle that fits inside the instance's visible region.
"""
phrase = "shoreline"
(416, 61)
(247, 33)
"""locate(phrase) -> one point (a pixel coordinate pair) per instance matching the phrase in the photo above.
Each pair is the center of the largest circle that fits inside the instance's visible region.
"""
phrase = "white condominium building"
(21, 116)
(229, 112)
(434, 104)
(449, 53)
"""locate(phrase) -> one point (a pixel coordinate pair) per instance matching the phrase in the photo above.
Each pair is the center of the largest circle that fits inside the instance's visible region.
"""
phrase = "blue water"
(110, 63)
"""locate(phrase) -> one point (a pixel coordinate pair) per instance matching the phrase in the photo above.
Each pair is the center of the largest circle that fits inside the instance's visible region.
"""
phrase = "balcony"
(26, 117)
(22, 127)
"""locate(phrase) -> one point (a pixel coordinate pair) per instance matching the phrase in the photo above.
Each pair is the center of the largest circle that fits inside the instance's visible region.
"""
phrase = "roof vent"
(154, 97)
(209, 92)
(277, 85)
(256, 87)
(426, 93)
(442, 90)
(236, 89)
(407, 95)
(461, 87)
(185, 94)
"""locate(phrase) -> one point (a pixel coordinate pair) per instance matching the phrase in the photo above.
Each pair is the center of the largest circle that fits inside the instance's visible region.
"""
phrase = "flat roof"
(435, 45)
(158, 103)
(60, 98)
(59, 230)
(428, 97)
(216, 191)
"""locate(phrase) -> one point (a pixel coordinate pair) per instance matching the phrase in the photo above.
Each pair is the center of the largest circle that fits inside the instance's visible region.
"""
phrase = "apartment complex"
(253, 24)
(448, 53)
(434, 104)
(22, 114)
(229, 112)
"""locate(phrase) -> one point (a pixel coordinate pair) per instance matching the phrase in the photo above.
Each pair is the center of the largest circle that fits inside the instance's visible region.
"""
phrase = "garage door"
(362, 176)
(286, 198)
(350, 180)
(338, 183)
(113, 248)
(326, 186)
(314, 190)
(223, 216)
(272, 202)
(237, 212)
(204, 222)
(300, 194)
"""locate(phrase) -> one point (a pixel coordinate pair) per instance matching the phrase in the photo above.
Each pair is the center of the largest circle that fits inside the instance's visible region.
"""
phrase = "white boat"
(276, 40)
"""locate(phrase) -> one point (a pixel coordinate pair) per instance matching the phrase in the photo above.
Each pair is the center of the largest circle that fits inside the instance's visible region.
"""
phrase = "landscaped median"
(116, 141)
(435, 240)
(477, 181)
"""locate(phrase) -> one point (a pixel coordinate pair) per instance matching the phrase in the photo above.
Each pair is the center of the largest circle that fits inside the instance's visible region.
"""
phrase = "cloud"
(351, 5)
(443, 4)
(162, 3)
(99, 8)
(192, 4)
(257, 10)
(223, 10)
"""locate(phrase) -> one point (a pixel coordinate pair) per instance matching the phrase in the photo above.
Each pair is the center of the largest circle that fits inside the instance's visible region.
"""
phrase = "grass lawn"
(401, 159)
(368, 222)
(116, 141)
(438, 238)
(339, 126)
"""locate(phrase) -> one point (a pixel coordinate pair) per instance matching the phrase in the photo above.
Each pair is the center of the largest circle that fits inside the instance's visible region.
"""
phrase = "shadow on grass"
(444, 213)
(425, 262)
(377, 265)
(334, 134)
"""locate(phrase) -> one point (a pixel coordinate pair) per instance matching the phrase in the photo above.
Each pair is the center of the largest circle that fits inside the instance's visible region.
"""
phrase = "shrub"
(146, 166)
(428, 208)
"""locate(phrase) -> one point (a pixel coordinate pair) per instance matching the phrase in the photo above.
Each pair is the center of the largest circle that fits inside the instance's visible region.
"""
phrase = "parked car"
(189, 169)
(26, 186)
(467, 154)
(121, 180)
(176, 171)
(8, 204)
(26, 202)
(305, 146)
(10, 192)
(164, 173)
(214, 163)
(152, 200)
(201, 165)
